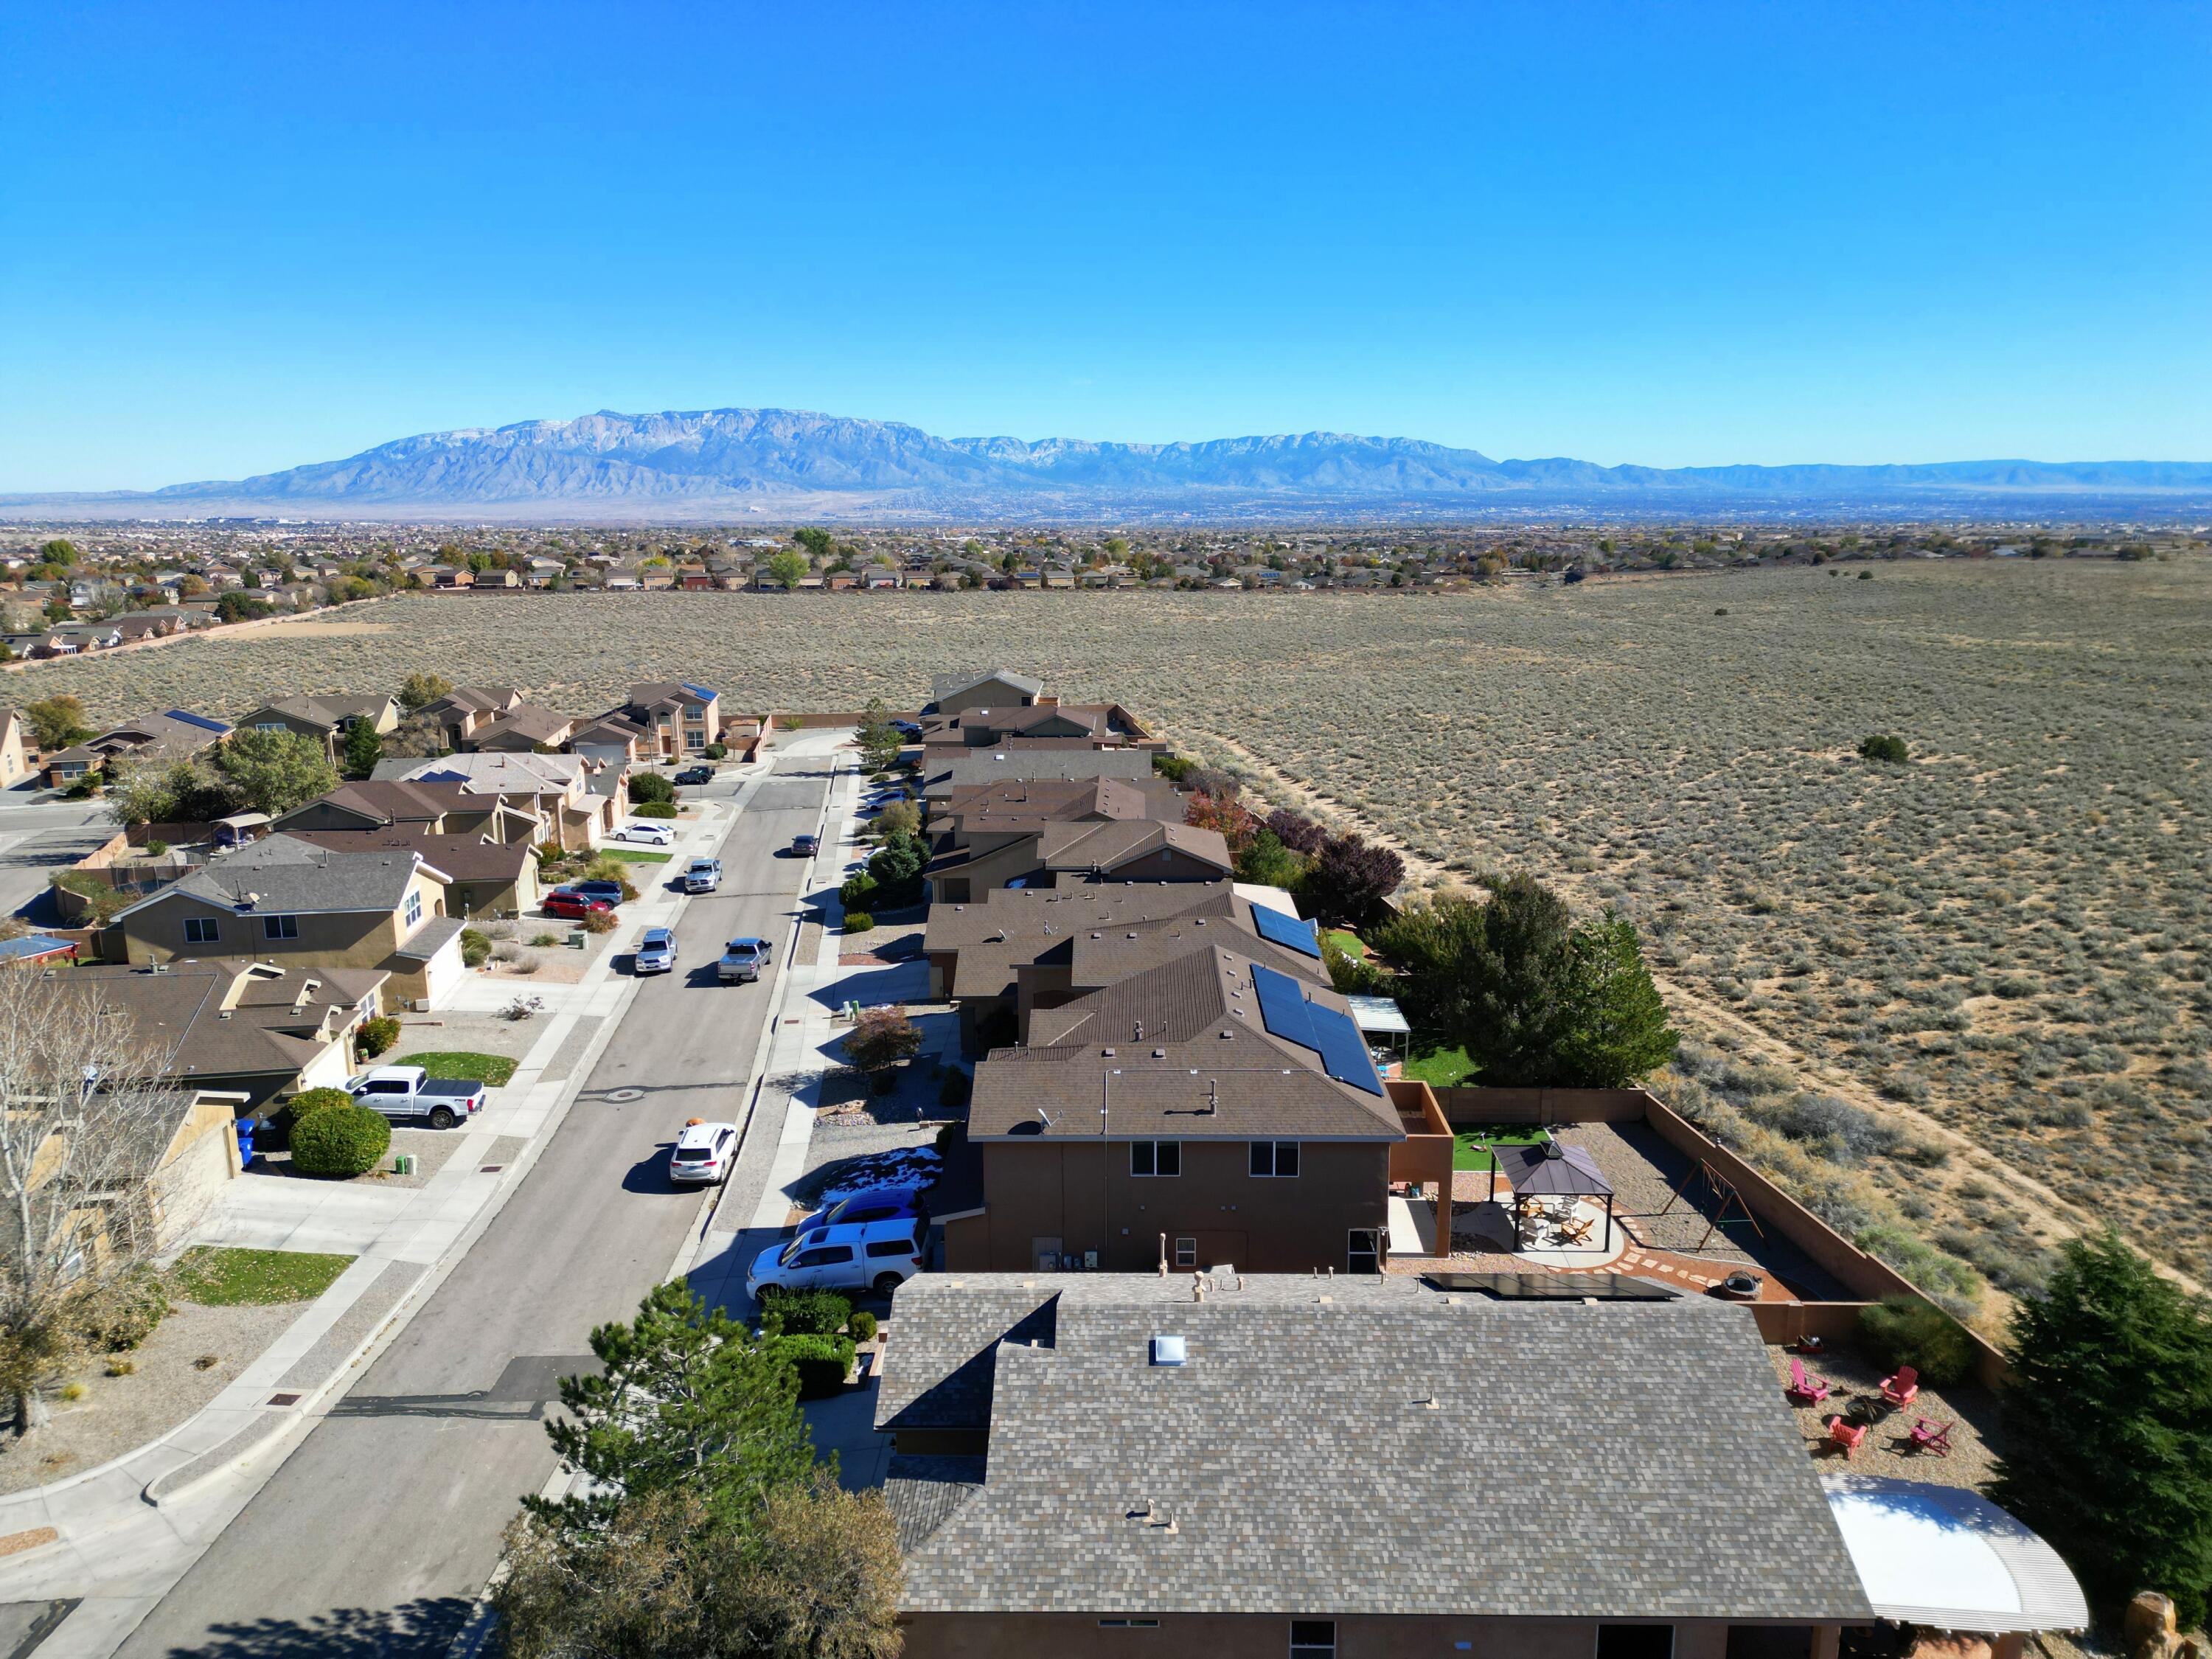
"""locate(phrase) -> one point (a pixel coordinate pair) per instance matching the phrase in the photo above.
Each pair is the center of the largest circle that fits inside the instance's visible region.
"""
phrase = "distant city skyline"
(241, 241)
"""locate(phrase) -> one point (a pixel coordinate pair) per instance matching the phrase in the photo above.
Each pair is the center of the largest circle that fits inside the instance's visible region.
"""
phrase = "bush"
(881, 1038)
(858, 891)
(1173, 768)
(1901, 1331)
(821, 1363)
(155, 848)
(864, 1327)
(476, 947)
(1884, 748)
(123, 1313)
(804, 1313)
(543, 941)
(377, 1035)
(288, 1117)
(650, 788)
(859, 922)
(653, 809)
(716, 751)
(953, 1090)
(598, 921)
(340, 1141)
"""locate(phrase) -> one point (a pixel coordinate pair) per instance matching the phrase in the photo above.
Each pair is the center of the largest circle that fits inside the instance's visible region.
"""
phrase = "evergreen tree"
(364, 747)
(2108, 1425)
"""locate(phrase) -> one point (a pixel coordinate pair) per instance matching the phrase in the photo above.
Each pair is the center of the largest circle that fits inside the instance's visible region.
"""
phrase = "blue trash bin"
(247, 1126)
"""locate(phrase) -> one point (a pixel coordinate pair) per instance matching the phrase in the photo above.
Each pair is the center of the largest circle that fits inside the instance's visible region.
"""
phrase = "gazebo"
(1549, 1170)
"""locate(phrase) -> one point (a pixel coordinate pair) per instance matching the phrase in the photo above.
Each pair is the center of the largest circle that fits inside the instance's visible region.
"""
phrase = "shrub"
(857, 891)
(881, 1038)
(804, 1313)
(598, 921)
(288, 1117)
(155, 848)
(653, 809)
(864, 1327)
(650, 788)
(1901, 1331)
(544, 940)
(1173, 768)
(121, 1315)
(1883, 748)
(821, 1363)
(716, 751)
(339, 1142)
(476, 947)
(377, 1035)
(859, 922)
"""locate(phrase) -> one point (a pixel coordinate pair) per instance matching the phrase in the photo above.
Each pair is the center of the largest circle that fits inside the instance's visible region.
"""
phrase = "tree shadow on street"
(424, 1627)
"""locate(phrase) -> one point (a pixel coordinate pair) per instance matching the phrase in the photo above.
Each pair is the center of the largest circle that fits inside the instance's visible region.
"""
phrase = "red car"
(567, 902)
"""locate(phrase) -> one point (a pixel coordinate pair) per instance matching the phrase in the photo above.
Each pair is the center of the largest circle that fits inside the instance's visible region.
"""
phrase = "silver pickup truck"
(410, 1091)
(741, 961)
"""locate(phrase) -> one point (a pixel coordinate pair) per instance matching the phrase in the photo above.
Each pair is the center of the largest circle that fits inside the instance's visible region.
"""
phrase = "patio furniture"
(1933, 1436)
(1900, 1389)
(1868, 1409)
(1843, 1432)
(1806, 1390)
(1577, 1231)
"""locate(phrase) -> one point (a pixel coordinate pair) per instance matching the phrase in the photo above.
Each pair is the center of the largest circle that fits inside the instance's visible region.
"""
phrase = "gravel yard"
(1969, 1408)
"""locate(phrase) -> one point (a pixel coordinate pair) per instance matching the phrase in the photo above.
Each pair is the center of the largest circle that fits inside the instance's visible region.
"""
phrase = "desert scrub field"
(2002, 937)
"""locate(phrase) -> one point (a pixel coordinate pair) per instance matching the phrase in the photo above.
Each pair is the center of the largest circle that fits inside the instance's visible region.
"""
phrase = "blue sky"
(234, 237)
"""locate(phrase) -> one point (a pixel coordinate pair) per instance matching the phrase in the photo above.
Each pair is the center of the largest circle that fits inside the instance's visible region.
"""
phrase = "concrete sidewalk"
(129, 1529)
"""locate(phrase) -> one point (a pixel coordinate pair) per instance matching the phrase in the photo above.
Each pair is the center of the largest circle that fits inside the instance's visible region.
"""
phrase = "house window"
(202, 930)
(1313, 1638)
(1156, 1157)
(269, 725)
(280, 928)
(1274, 1158)
(1186, 1253)
(1635, 1641)
(414, 911)
(1363, 1254)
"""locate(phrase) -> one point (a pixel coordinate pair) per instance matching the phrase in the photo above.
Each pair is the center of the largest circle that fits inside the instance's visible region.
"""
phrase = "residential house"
(160, 739)
(941, 778)
(323, 719)
(1248, 1466)
(467, 709)
(16, 749)
(997, 687)
(579, 795)
(1048, 725)
(256, 1029)
(288, 900)
(450, 576)
(1052, 854)
(484, 876)
(1207, 1111)
(435, 809)
(525, 726)
(663, 718)
(89, 637)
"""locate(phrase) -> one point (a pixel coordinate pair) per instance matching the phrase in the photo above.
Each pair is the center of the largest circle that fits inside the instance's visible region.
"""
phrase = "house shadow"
(902, 982)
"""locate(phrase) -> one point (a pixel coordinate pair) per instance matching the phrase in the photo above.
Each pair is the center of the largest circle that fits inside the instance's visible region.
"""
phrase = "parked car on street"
(906, 728)
(704, 1151)
(647, 833)
(805, 847)
(703, 875)
(876, 1204)
(567, 901)
(874, 1256)
(656, 953)
(741, 961)
(410, 1091)
(694, 775)
(610, 891)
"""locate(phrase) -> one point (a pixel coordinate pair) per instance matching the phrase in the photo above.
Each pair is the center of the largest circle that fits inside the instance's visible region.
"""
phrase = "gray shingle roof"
(1622, 1460)
(283, 873)
(995, 765)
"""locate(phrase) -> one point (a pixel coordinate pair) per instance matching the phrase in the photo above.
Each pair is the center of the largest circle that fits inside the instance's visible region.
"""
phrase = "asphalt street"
(376, 1534)
(40, 833)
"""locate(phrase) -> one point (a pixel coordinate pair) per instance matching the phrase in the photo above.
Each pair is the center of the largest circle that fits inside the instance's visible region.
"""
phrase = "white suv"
(703, 1152)
(869, 1255)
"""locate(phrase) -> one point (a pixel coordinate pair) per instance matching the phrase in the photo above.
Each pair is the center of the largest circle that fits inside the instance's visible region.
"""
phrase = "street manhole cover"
(625, 1094)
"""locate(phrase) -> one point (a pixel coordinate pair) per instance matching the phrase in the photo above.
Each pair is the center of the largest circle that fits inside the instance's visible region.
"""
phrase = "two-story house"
(995, 688)
(325, 720)
(175, 734)
(671, 719)
(579, 795)
(438, 809)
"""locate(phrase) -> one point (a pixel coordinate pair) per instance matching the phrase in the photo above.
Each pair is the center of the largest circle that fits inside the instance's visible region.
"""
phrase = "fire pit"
(1740, 1287)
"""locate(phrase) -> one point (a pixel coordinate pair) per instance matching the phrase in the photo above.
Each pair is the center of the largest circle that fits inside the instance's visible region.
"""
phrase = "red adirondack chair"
(1806, 1390)
(1900, 1389)
(1846, 1434)
(1933, 1436)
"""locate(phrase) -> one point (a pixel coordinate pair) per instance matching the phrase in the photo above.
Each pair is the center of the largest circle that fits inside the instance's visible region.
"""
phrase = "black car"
(696, 775)
(608, 891)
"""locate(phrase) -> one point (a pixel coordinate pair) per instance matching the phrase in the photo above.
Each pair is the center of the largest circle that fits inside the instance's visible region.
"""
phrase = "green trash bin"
(576, 938)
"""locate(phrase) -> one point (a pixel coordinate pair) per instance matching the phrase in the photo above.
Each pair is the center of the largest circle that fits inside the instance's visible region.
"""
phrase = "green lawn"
(634, 855)
(219, 1277)
(1467, 1151)
(1346, 941)
(1440, 1068)
(463, 1063)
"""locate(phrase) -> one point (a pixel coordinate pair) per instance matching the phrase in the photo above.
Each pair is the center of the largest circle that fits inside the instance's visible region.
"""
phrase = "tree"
(139, 794)
(275, 771)
(688, 1400)
(1266, 862)
(817, 541)
(59, 552)
(901, 817)
(788, 567)
(1351, 878)
(364, 747)
(1617, 1029)
(1882, 747)
(419, 736)
(2108, 1425)
(896, 866)
(419, 690)
(1296, 830)
(881, 1038)
(57, 722)
(651, 786)
(880, 741)
(85, 1116)
(238, 607)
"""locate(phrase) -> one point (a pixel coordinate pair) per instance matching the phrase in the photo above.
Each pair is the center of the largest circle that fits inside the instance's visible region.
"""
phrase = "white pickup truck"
(410, 1091)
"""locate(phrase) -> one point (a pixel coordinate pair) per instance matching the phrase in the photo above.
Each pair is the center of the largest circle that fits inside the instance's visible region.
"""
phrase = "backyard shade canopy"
(1943, 1556)
(1378, 1015)
(1551, 1170)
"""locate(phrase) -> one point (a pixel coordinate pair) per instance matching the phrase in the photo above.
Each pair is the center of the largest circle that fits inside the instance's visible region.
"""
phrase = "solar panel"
(1287, 931)
(1283, 1007)
(1285, 1013)
(698, 691)
(200, 720)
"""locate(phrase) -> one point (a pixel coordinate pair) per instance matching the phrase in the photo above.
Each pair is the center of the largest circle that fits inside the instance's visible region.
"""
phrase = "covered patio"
(1557, 1186)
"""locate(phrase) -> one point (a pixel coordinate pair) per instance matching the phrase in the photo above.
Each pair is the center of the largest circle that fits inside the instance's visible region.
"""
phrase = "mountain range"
(784, 464)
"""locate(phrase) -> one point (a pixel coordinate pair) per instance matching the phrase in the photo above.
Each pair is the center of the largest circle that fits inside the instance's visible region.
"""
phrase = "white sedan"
(647, 833)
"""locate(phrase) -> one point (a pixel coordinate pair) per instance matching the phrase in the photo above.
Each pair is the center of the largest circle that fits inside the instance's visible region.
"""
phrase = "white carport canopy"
(1947, 1558)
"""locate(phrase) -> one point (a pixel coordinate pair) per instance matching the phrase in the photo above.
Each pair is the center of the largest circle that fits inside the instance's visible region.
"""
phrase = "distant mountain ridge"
(789, 462)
